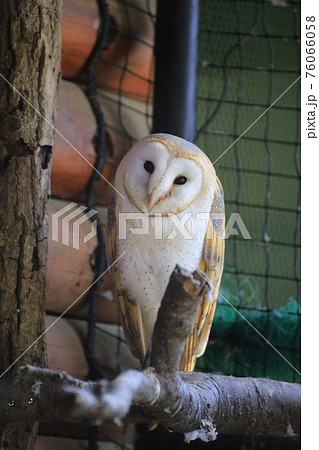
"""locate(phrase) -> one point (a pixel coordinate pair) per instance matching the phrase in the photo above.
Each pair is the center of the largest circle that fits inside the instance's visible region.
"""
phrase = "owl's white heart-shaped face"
(160, 176)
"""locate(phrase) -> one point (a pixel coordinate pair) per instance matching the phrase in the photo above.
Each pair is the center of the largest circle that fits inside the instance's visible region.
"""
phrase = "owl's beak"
(154, 199)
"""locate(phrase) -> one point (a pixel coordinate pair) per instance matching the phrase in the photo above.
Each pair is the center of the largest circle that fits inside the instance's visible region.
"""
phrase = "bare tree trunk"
(30, 36)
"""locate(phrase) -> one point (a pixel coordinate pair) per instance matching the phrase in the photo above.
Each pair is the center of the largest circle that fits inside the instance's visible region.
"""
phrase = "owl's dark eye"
(149, 166)
(180, 180)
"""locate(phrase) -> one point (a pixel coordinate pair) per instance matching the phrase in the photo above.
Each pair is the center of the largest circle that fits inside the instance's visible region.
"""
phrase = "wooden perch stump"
(196, 404)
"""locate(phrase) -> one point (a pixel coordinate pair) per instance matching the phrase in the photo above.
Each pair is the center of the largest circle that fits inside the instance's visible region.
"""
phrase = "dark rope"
(102, 148)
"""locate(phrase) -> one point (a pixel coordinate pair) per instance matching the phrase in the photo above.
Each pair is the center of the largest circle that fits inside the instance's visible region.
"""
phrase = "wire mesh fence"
(248, 122)
(129, 96)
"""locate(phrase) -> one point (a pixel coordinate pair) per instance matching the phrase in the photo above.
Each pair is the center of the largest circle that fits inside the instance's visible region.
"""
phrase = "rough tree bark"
(196, 404)
(30, 51)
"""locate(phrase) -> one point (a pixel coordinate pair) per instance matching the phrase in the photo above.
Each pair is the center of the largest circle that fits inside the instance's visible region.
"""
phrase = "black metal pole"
(176, 67)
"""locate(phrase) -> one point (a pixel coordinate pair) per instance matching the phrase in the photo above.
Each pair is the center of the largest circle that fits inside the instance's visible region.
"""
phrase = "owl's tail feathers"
(188, 360)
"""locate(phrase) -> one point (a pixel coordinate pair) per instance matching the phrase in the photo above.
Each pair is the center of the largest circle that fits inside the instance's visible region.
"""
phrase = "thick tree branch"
(196, 404)
(175, 319)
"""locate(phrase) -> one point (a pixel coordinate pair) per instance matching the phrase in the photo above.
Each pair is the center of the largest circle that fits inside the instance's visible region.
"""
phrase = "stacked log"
(124, 92)
(128, 62)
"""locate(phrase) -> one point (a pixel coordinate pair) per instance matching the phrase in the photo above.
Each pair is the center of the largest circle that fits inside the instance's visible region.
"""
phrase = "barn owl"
(168, 210)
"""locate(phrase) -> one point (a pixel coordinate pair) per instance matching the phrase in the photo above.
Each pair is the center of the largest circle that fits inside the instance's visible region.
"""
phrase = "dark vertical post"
(175, 67)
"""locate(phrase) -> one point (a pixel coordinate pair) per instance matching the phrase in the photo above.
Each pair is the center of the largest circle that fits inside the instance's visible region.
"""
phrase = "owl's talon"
(153, 425)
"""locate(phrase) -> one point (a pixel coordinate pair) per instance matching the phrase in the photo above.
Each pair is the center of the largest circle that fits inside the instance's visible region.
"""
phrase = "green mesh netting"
(249, 54)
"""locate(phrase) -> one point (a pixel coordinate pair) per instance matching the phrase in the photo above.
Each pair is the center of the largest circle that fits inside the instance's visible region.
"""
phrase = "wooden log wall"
(132, 47)
(123, 77)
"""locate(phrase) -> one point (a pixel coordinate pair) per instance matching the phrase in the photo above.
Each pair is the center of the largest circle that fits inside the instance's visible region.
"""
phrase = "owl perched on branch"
(168, 210)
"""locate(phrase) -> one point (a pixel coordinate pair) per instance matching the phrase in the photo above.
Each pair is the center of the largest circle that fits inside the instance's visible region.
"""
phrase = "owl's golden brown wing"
(129, 311)
(211, 264)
